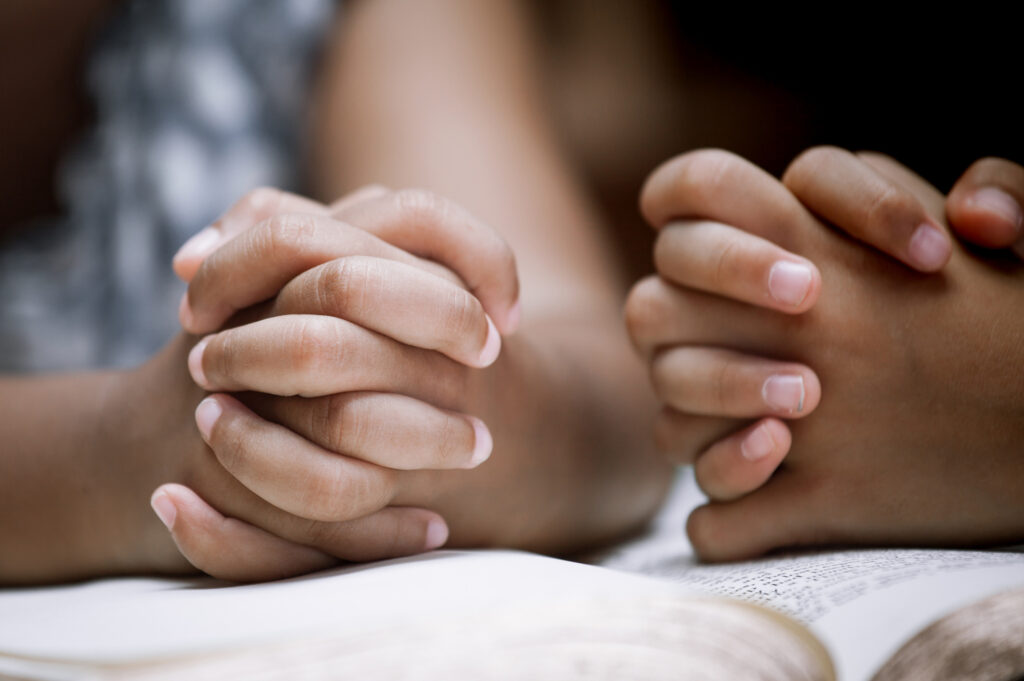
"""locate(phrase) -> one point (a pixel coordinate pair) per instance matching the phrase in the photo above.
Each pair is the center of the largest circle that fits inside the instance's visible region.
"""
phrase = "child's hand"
(986, 205)
(877, 201)
(416, 227)
(917, 439)
(878, 205)
(378, 343)
(710, 394)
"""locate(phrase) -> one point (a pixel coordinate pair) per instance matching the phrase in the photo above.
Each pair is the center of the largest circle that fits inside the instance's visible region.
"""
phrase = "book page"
(129, 619)
(982, 642)
(863, 604)
(494, 615)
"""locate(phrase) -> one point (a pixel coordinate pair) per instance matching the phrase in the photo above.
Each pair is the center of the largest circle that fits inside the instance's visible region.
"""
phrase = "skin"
(566, 472)
(933, 455)
(984, 206)
(548, 358)
(717, 468)
(611, 64)
(539, 400)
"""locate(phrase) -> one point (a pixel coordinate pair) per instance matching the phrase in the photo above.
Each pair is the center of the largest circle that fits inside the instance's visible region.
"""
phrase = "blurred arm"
(444, 95)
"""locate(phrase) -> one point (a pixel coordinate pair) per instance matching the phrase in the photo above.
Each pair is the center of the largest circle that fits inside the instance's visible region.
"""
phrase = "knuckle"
(400, 537)
(316, 533)
(876, 156)
(998, 171)
(427, 209)
(462, 318)
(353, 425)
(344, 284)
(334, 424)
(220, 355)
(313, 342)
(725, 383)
(806, 166)
(706, 174)
(392, 534)
(339, 496)
(887, 209)
(261, 200)
(228, 444)
(450, 441)
(727, 266)
(421, 206)
(696, 174)
(287, 234)
(987, 166)
(333, 496)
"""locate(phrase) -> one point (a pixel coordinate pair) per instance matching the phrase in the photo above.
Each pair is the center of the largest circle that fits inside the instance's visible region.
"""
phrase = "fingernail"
(929, 249)
(437, 534)
(483, 443)
(185, 316)
(207, 413)
(492, 346)
(164, 508)
(999, 202)
(757, 444)
(200, 245)
(784, 393)
(513, 318)
(789, 282)
(195, 363)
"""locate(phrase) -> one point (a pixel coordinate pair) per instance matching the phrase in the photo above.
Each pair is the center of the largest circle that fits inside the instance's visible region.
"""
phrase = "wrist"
(569, 410)
(148, 434)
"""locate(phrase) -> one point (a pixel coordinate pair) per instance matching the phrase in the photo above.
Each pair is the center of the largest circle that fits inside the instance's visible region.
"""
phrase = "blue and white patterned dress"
(197, 102)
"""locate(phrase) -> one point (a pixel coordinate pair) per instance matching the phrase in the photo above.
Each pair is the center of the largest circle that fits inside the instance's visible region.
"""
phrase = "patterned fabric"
(197, 102)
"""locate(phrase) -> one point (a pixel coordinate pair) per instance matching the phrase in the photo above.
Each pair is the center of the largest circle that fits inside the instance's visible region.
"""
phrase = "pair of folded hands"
(344, 345)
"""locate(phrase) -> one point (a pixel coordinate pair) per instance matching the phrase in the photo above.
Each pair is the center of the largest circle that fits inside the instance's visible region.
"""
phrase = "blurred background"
(134, 125)
(129, 125)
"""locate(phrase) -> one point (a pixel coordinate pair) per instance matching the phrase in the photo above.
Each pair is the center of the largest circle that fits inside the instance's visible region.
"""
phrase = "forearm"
(442, 95)
(53, 495)
(75, 474)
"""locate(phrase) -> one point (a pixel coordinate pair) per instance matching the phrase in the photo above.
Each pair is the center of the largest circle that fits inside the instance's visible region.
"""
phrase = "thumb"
(253, 208)
(227, 548)
(774, 516)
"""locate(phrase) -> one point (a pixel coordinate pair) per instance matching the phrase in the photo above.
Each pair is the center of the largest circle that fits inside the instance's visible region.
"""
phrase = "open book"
(852, 615)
